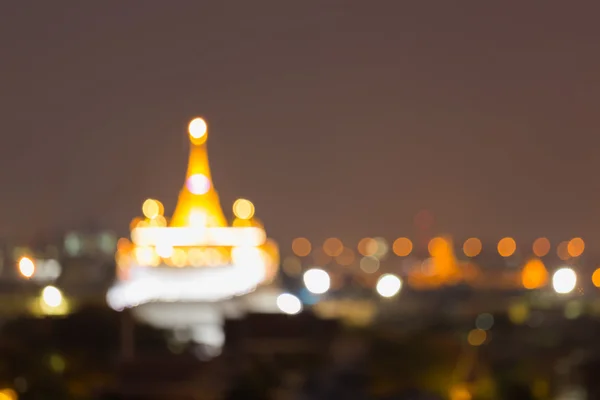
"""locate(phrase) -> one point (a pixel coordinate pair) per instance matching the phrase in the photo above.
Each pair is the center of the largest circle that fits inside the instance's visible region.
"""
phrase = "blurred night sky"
(337, 118)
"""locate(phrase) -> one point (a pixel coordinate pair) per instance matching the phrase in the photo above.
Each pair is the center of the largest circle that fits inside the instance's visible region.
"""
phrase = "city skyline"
(327, 130)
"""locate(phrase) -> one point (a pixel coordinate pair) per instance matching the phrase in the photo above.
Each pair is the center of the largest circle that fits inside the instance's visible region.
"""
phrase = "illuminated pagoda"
(189, 273)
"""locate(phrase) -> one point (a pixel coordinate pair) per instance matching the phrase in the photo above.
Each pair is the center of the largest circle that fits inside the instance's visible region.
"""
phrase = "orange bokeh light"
(333, 247)
(576, 247)
(534, 274)
(562, 250)
(472, 247)
(367, 246)
(596, 277)
(541, 247)
(507, 247)
(301, 247)
(402, 247)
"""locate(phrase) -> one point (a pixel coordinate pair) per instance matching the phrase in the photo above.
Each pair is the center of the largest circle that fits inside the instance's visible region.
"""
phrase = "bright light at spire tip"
(197, 130)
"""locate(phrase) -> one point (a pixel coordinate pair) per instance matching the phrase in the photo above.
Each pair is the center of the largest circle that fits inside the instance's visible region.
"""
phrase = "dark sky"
(335, 118)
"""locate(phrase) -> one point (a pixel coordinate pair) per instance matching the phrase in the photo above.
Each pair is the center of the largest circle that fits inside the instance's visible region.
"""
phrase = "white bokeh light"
(52, 297)
(198, 184)
(289, 304)
(317, 281)
(564, 280)
(388, 285)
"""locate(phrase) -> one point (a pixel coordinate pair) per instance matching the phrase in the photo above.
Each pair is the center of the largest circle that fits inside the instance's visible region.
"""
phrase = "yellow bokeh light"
(150, 208)
(507, 247)
(367, 246)
(576, 247)
(562, 251)
(8, 394)
(402, 247)
(460, 392)
(198, 130)
(243, 209)
(26, 267)
(541, 247)
(596, 277)
(534, 274)
(333, 247)
(301, 247)
(472, 247)
(477, 337)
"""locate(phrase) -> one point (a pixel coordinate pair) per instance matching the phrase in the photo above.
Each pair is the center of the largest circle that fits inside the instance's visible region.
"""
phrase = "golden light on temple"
(367, 246)
(576, 247)
(26, 267)
(596, 277)
(243, 209)
(151, 209)
(507, 247)
(196, 238)
(541, 247)
(402, 247)
(562, 251)
(472, 247)
(333, 247)
(301, 247)
(198, 131)
(534, 275)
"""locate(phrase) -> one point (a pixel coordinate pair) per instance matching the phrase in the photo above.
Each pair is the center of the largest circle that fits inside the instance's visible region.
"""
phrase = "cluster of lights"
(333, 248)
(240, 256)
(443, 267)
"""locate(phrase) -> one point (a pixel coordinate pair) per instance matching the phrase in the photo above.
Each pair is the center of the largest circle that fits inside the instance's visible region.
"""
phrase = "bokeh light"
(51, 296)
(369, 264)
(197, 129)
(562, 251)
(388, 285)
(289, 304)
(541, 247)
(402, 247)
(301, 247)
(596, 277)
(477, 337)
(243, 209)
(507, 247)
(8, 394)
(333, 247)
(367, 246)
(472, 247)
(576, 247)
(534, 274)
(564, 280)
(198, 184)
(150, 208)
(317, 281)
(484, 321)
(26, 267)
(438, 246)
(382, 247)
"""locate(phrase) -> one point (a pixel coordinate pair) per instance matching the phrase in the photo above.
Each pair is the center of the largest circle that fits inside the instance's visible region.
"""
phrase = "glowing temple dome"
(196, 258)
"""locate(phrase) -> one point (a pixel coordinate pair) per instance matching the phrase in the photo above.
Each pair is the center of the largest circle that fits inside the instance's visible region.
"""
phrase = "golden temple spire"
(198, 204)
